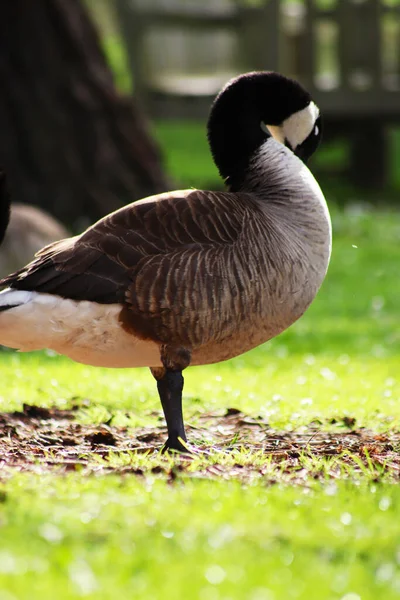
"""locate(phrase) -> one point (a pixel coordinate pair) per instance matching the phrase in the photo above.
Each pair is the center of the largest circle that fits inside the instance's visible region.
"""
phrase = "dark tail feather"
(5, 201)
(7, 307)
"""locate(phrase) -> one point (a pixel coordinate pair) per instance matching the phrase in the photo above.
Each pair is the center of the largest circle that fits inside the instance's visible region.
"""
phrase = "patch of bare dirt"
(40, 439)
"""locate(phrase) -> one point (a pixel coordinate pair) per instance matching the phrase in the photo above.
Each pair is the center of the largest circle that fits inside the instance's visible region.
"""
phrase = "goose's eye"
(316, 130)
(264, 128)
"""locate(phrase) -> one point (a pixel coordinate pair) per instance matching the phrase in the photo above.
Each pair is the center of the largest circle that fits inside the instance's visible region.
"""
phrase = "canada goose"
(190, 277)
(30, 228)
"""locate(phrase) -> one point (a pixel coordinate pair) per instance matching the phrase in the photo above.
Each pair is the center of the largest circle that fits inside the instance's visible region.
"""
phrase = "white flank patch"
(87, 332)
(10, 297)
(298, 126)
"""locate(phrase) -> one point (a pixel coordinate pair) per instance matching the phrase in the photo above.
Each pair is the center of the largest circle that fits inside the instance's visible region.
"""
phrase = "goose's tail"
(5, 202)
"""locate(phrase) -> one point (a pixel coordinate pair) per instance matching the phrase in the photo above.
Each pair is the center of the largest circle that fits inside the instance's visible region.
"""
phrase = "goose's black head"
(254, 107)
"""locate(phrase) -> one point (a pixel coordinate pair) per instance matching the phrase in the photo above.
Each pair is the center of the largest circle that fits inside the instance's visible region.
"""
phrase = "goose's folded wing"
(120, 257)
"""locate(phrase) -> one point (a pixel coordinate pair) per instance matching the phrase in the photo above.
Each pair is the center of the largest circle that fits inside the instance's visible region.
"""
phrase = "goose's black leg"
(170, 386)
(170, 390)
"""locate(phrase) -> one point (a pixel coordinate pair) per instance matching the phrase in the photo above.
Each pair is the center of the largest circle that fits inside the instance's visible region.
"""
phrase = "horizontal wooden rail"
(181, 15)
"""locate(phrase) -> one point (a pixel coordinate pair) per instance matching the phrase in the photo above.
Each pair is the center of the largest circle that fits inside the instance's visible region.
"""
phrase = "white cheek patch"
(298, 126)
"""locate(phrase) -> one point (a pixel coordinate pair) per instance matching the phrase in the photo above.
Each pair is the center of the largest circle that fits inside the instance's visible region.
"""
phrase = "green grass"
(188, 161)
(187, 157)
(155, 532)
(108, 538)
(241, 525)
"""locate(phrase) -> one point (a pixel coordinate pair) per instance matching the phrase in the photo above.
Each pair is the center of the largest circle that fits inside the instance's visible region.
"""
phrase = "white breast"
(87, 332)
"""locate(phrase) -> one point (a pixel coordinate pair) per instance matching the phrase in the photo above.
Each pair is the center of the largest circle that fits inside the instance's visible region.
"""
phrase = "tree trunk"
(68, 141)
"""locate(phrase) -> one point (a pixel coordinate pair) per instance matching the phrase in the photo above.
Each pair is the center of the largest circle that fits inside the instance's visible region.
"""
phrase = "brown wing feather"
(146, 254)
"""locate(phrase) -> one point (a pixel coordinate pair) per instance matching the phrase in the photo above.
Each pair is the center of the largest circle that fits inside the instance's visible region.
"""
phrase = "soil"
(42, 440)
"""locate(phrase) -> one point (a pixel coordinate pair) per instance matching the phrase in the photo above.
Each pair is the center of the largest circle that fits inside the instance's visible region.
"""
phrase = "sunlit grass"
(98, 538)
(276, 533)
(288, 390)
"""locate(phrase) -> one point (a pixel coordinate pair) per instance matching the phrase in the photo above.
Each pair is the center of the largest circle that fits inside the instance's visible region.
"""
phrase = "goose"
(189, 277)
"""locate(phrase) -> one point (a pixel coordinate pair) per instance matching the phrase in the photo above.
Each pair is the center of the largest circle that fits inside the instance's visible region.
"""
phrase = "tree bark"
(68, 141)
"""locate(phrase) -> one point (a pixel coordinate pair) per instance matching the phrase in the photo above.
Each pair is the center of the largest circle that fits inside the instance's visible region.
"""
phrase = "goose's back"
(211, 272)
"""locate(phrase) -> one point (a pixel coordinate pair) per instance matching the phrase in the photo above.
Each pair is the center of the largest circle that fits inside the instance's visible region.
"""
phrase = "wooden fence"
(182, 52)
(347, 53)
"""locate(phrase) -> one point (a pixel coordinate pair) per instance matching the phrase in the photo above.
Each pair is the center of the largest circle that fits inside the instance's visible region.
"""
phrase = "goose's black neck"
(234, 125)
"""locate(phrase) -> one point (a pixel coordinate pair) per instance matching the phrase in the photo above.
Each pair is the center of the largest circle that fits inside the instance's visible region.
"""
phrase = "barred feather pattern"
(216, 273)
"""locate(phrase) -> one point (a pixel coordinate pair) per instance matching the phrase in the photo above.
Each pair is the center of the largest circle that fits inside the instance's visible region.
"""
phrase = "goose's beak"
(276, 132)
